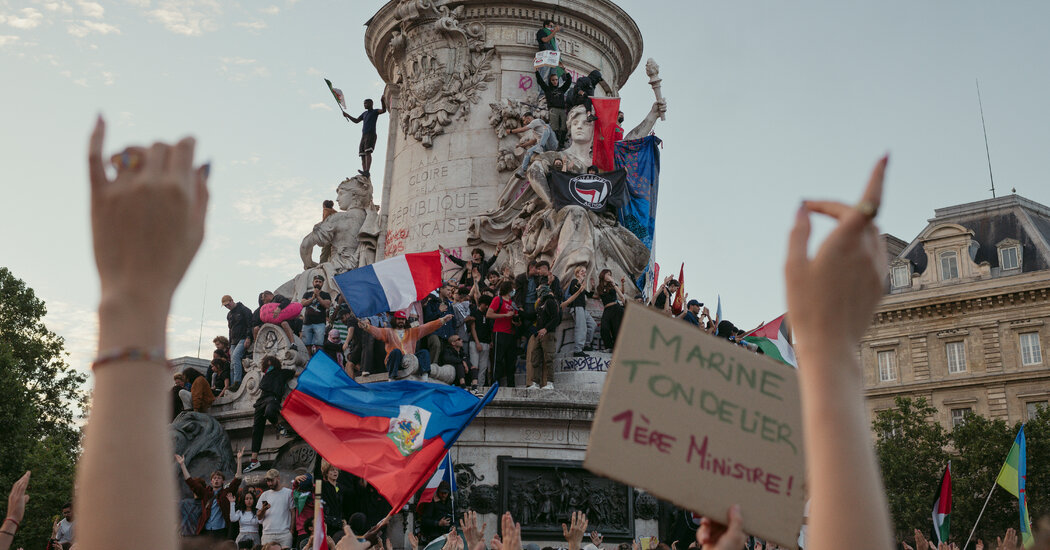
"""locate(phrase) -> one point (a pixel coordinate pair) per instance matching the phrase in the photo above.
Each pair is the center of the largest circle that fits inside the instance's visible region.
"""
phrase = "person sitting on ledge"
(454, 354)
(199, 389)
(543, 140)
(400, 342)
(282, 311)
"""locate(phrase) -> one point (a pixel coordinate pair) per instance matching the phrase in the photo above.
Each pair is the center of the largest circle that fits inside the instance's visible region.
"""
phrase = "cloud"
(321, 106)
(81, 29)
(91, 9)
(252, 25)
(237, 69)
(270, 204)
(6, 39)
(312, 71)
(79, 328)
(188, 17)
(252, 159)
(56, 7)
(81, 82)
(271, 10)
(107, 78)
(28, 18)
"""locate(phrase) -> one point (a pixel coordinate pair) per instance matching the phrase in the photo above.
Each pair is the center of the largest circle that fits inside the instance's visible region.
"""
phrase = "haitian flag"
(392, 434)
(443, 473)
(591, 191)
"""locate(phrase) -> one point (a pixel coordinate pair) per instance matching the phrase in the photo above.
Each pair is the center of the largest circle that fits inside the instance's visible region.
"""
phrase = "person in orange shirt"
(400, 342)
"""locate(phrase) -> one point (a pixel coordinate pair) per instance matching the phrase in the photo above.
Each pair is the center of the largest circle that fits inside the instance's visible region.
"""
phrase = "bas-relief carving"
(506, 116)
(351, 233)
(440, 66)
(542, 494)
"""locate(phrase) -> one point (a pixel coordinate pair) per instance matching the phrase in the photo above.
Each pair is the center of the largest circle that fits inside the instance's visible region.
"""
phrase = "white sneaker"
(533, 386)
(549, 386)
(426, 377)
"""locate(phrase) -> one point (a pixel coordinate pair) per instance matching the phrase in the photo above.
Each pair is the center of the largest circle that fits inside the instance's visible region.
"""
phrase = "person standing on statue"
(540, 353)
(502, 311)
(543, 140)
(546, 41)
(584, 325)
(315, 305)
(555, 94)
(239, 320)
(368, 132)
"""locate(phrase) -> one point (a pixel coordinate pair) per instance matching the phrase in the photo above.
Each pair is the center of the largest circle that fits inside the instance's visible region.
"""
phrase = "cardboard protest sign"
(702, 423)
(546, 58)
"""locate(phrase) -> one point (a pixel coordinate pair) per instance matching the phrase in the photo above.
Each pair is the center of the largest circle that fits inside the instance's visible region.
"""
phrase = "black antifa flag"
(592, 191)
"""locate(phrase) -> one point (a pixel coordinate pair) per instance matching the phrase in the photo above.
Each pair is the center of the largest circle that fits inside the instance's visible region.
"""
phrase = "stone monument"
(461, 76)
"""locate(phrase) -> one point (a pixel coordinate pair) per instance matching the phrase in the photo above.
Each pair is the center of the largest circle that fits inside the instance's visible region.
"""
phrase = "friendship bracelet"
(7, 533)
(132, 353)
(12, 520)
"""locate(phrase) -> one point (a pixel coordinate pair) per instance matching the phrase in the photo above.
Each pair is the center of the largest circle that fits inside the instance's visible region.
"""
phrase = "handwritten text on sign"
(702, 423)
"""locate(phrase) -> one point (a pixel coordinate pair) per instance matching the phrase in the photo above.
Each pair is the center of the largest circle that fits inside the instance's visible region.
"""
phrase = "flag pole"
(969, 538)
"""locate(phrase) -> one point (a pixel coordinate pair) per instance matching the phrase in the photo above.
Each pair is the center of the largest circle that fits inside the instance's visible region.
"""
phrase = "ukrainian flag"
(1012, 478)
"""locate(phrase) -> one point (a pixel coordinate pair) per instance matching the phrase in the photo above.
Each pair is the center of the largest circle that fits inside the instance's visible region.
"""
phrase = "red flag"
(677, 305)
(606, 110)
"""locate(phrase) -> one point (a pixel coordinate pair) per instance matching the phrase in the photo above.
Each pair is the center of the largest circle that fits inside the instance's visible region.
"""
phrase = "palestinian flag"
(942, 506)
(772, 339)
(337, 94)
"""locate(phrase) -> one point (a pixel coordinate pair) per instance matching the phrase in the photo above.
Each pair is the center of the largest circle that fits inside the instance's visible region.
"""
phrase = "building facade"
(964, 322)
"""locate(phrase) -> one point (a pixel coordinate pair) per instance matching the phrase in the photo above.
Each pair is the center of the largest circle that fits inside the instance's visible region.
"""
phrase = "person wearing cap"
(315, 305)
(275, 511)
(239, 320)
(400, 342)
(437, 515)
(540, 353)
(692, 314)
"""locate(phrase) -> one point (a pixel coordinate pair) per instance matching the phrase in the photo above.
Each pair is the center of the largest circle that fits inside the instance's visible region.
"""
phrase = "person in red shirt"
(502, 312)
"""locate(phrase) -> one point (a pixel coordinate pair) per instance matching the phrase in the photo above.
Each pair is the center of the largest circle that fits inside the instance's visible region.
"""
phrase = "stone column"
(450, 63)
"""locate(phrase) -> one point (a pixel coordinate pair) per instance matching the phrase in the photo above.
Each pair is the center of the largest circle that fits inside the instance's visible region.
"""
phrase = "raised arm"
(182, 465)
(154, 208)
(430, 327)
(831, 298)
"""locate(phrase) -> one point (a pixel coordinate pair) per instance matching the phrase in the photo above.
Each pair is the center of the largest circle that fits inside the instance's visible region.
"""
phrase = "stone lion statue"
(200, 439)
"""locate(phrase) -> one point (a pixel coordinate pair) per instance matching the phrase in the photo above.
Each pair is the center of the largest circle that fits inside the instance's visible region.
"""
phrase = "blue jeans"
(548, 142)
(393, 361)
(313, 335)
(236, 367)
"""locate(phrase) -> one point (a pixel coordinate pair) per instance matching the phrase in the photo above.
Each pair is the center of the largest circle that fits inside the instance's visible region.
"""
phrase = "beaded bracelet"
(131, 353)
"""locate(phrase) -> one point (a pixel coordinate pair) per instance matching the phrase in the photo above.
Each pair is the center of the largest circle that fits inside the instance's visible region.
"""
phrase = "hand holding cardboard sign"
(716, 536)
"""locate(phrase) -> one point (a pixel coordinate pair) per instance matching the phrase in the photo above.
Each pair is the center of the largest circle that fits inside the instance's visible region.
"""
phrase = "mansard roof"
(991, 221)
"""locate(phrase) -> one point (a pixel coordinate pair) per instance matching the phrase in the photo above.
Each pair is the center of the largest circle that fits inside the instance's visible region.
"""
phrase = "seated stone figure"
(569, 237)
(351, 233)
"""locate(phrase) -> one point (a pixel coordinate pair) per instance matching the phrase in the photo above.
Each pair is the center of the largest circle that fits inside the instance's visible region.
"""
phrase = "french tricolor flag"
(443, 473)
(391, 284)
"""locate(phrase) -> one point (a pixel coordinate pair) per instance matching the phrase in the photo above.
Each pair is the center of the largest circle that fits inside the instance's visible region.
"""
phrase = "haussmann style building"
(964, 322)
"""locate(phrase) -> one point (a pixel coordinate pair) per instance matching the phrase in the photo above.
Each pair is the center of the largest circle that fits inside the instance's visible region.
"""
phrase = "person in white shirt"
(64, 527)
(241, 511)
(275, 511)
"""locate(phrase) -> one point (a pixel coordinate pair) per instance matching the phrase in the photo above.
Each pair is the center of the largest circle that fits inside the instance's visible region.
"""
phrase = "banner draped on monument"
(640, 158)
(591, 191)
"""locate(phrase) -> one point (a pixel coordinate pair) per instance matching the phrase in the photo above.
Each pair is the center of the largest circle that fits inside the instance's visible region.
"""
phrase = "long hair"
(603, 284)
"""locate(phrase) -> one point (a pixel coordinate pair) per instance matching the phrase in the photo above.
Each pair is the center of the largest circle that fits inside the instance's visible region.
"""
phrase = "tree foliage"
(913, 449)
(40, 395)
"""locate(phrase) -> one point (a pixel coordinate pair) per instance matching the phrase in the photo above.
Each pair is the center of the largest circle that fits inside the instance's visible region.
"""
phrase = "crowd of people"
(154, 207)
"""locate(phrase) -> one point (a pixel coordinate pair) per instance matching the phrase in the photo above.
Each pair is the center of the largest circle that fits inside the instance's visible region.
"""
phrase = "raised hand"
(906, 546)
(471, 534)
(597, 538)
(832, 295)
(231, 498)
(511, 533)
(180, 460)
(452, 541)
(413, 540)
(759, 545)
(920, 541)
(980, 544)
(716, 536)
(128, 227)
(573, 532)
(17, 499)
